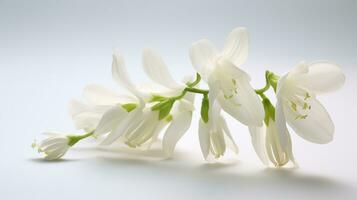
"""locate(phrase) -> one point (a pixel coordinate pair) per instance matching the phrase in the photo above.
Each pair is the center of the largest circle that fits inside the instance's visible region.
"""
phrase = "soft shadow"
(232, 177)
(41, 160)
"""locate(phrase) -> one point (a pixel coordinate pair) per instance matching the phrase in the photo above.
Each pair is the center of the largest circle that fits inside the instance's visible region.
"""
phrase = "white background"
(50, 50)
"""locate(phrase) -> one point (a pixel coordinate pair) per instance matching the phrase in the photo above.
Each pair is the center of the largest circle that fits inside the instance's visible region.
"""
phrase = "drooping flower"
(57, 144)
(54, 147)
(214, 134)
(181, 114)
(99, 100)
(297, 106)
(297, 102)
(266, 140)
(142, 124)
(235, 94)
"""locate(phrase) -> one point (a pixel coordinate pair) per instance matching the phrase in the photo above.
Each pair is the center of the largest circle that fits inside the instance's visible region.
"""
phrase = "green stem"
(194, 83)
(267, 84)
(196, 90)
(73, 139)
(165, 104)
(262, 95)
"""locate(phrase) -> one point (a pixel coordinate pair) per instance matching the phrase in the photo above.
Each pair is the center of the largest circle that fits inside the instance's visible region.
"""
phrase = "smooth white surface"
(50, 51)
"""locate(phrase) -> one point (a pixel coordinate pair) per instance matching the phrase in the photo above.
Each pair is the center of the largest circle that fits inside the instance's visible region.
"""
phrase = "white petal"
(214, 92)
(230, 69)
(53, 140)
(156, 89)
(87, 118)
(146, 128)
(98, 95)
(218, 143)
(110, 120)
(258, 141)
(157, 71)
(237, 46)
(322, 77)
(76, 107)
(133, 118)
(202, 53)
(86, 121)
(281, 125)
(56, 154)
(229, 139)
(183, 105)
(155, 136)
(284, 135)
(317, 127)
(249, 109)
(179, 125)
(204, 137)
(121, 76)
(300, 68)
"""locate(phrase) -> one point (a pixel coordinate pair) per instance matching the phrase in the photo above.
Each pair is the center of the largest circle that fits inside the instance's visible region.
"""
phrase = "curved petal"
(237, 46)
(246, 106)
(258, 141)
(133, 119)
(202, 53)
(230, 69)
(143, 132)
(204, 137)
(155, 135)
(322, 77)
(86, 117)
(155, 68)
(283, 132)
(218, 143)
(184, 105)
(281, 125)
(98, 95)
(300, 68)
(86, 121)
(110, 120)
(76, 107)
(179, 125)
(229, 141)
(276, 152)
(317, 127)
(121, 76)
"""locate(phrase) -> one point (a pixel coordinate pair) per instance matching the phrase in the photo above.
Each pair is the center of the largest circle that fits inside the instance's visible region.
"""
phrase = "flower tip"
(168, 154)
(147, 51)
(34, 144)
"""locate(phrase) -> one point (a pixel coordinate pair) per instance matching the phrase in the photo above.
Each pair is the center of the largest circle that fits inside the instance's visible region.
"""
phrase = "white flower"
(296, 94)
(86, 116)
(214, 135)
(181, 114)
(235, 93)
(268, 145)
(142, 125)
(54, 147)
(297, 105)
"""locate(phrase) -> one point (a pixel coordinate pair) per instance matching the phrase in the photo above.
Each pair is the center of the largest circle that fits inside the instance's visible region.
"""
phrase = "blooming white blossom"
(297, 106)
(235, 93)
(296, 95)
(142, 124)
(181, 115)
(54, 147)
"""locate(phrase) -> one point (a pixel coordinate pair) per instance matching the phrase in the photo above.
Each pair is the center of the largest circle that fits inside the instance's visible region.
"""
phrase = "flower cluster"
(142, 117)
